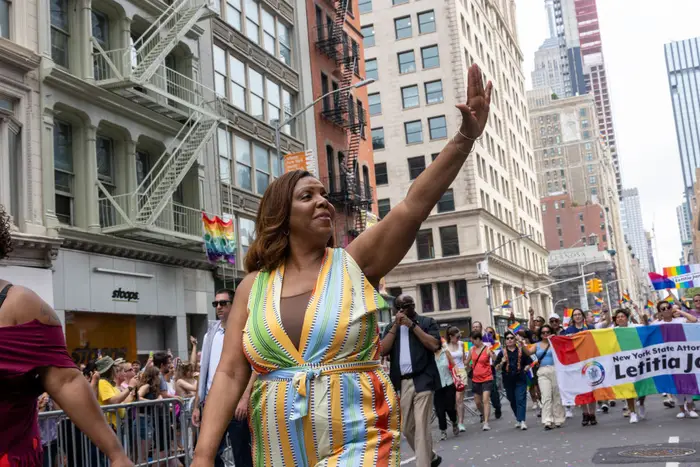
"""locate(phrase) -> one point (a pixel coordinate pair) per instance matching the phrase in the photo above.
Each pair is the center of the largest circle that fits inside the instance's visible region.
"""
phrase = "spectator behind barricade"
(49, 430)
(108, 393)
(164, 363)
(136, 366)
(185, 383)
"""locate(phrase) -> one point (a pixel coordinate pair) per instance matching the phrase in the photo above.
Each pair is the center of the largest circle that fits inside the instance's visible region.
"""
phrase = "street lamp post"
(558, 302)
(282, 123)
(488, 275)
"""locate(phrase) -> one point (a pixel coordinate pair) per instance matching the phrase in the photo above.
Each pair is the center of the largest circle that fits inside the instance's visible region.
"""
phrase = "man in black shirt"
(411, 341)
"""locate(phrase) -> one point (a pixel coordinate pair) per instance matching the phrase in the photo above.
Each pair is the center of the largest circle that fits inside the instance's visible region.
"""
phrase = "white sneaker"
(692, 414)
(604, 407)
(633, 418)
(680, 415)
(569, 413)
(523, 426)
(642, 412)
(535, 406)
(486, 427)
(517, 425)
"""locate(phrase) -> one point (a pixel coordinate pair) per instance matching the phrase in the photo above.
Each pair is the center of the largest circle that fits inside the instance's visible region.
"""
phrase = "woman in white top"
(456, 348)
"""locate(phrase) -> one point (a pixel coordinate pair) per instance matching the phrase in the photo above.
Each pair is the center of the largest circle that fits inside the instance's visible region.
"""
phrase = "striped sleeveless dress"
(328, 402)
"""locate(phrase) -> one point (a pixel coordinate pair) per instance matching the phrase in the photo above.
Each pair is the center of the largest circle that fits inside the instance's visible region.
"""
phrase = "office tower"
(633, 226)
(684, 220)
(419, 54)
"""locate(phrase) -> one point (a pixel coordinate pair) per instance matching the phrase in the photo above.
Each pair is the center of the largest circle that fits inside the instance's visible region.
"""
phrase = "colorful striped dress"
(328, 402)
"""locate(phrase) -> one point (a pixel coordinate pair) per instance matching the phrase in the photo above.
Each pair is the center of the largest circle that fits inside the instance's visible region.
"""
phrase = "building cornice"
(17, 56)
(74, 239)
(36, 251)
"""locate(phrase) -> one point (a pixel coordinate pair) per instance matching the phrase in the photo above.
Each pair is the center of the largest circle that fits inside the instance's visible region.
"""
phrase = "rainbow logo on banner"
(219, 239)
(515, 327)
(677, 270)
(625, 363)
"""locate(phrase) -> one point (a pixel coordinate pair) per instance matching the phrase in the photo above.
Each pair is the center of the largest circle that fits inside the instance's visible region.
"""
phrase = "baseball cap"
(554, 316)
(103, 365)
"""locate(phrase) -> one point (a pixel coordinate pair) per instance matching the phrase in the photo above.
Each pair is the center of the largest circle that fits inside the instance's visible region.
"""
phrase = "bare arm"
(186, 386)
(231, 378)
(193, 354)
(379, 249)
(73, 393)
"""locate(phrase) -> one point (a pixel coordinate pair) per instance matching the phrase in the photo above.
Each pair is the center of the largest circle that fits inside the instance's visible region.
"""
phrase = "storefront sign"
(90, 335)
(120, 295)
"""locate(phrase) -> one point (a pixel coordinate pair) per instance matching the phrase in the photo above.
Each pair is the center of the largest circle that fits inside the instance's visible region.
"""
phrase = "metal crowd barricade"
(153, 433)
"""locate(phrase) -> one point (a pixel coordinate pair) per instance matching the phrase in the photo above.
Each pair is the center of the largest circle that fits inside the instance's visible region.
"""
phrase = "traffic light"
(594, 286)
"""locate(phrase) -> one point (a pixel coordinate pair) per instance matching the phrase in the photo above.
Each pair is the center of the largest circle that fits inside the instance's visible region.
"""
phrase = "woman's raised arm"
(379, 249)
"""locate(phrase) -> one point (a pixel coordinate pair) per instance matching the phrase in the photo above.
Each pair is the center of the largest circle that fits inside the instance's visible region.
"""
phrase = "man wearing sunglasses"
(213, 343)
(412, 341)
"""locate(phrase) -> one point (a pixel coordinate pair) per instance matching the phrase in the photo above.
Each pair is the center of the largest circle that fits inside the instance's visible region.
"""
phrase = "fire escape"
(141, 74)
(354, 198)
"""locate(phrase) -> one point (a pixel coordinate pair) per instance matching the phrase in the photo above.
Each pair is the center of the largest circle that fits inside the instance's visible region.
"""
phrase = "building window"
(594, 191)
(371, 69)
(63, 171)
(426, 298)
(426, 22)
(5, 18)
(449, 240)
(407, 62)
(447, 202)
(104, 152)
(368, 35)
(582, 112)
(398, 2)
(238, 86)
(424, 244)
(233, 13)
(365, 6)
(413, 131)
(430, 56)
(592, 180)
(416, 166)
(433, 92)
(580, 217)
(409, 97)
(288, 107)
(262, 168)
(444, 299)
(243, 164)
(383, 207)
(285, 43)
(461, 297)
(246, 234)
(402, 27)
(268, 22)
(583, 228)
(381, 177)
(273, 102)
(437, 127)
(252, 24)
(375, 103)
(60, 32)
(378, 138)
(257, 94)
(224, 147)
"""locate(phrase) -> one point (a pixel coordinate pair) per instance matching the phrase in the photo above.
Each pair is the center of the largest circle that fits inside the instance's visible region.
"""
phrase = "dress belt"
(301, 377)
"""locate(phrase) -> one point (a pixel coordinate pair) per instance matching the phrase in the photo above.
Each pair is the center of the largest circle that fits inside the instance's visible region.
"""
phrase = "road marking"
(673, 440)
(404, 462)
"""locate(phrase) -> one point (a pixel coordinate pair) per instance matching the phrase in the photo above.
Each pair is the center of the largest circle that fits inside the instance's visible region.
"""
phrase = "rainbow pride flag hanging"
(515, 327)
(624, 363)
(567, 316)
(506, 304)
(219, 239)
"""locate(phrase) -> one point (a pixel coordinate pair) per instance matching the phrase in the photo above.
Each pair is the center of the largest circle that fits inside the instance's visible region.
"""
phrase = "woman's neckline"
(299, 294)
(27, 323)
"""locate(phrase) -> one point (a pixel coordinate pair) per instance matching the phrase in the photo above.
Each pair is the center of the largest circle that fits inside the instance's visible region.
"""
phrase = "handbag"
(470, 373)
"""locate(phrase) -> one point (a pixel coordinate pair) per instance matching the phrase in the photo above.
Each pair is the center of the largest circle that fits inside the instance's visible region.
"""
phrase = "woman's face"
(454, 338)
(621, 320)
(578, 317)
(311, 216)
(491, 331)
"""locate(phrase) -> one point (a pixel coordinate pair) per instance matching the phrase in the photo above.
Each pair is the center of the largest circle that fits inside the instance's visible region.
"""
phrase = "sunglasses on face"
(510, 338)
(665, 308)
(404, 306)
(553, 320)
(220, 303)
(545, 333)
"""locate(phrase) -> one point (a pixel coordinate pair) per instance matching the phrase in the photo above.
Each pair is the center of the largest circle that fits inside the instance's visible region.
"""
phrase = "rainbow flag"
(468, 346)
(678, 270)
(660, 282)
(671, 298)
(523, 292)
(496, 346)
(506, 304)
(530, 377)
(515, 327)
(596, 313)
(599, 301)
(567, 316)
(219, 239)
(626, 297)
(649, 305)
(625, 363)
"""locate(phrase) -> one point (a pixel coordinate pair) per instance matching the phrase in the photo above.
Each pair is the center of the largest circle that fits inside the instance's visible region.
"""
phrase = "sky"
(633, 33)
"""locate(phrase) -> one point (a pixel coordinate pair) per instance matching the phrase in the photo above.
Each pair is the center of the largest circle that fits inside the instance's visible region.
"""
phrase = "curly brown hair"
(5, 238)
(270, 247)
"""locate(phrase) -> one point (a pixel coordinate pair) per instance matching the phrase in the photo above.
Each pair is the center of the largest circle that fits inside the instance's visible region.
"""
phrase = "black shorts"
(479, 388)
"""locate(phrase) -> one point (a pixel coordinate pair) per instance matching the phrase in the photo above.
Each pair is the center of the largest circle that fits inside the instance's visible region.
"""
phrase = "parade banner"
(677, 277)
(623, 363)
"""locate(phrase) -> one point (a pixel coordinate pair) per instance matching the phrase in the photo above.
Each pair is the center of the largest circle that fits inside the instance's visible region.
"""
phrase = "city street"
(572, 445)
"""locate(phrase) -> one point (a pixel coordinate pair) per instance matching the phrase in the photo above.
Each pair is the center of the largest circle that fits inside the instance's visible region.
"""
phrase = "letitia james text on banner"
(623, 363)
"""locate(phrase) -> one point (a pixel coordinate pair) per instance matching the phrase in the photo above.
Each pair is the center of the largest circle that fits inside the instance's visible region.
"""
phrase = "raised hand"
(475, 112)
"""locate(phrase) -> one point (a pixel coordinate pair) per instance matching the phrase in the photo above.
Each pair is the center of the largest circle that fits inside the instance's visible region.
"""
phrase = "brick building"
(567, 224)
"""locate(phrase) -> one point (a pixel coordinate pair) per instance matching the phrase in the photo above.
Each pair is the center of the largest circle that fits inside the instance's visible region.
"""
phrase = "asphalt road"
(573, 444)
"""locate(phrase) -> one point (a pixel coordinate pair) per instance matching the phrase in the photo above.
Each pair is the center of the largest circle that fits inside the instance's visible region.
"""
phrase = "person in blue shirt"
(514, 363)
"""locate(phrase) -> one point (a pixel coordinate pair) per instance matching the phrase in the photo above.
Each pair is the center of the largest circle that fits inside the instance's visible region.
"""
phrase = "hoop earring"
(286, 234)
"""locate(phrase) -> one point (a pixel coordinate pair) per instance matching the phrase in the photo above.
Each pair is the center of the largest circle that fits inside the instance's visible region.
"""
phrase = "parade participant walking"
(488, 337)
(553, 414)
(238, 430)
(479, 360)
(622, 320)
(578, 324)
(555, 324)
(34, 360)
(325, 349)
(410, 342)
(443, 397)
(514, 363)
(456, 349)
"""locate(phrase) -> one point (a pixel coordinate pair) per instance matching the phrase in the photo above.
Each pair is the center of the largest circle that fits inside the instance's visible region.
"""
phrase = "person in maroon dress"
(33, 360)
